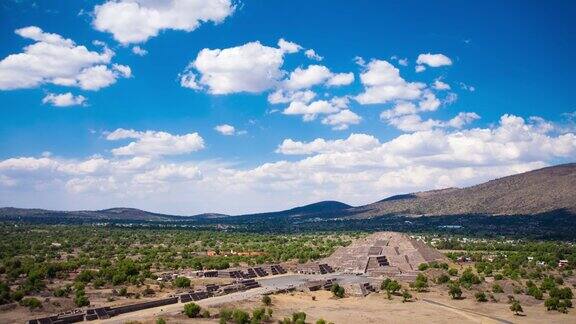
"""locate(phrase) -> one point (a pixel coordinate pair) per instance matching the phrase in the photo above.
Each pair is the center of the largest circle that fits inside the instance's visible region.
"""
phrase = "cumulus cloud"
(154, 143)
(440, 85)
(311, 54)
(288, 47)
(433, 60)
(383, 83)
(283, 96)
(225, 129)
(414, 123)
(64, 99)
(56, 60)
(342, 120)
(357, 169)
(310, 111)
(354, 143)
(303, 78)
(136, 21)
(251, 67)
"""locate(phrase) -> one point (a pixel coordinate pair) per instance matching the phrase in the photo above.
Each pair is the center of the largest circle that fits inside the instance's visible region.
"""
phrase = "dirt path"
(467, 313)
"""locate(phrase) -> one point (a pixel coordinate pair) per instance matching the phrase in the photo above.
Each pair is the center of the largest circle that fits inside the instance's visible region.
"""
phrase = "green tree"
(455, 291)
(337, 290)
(192, 310)
(182, 282)
(266, 300)
(240, 317)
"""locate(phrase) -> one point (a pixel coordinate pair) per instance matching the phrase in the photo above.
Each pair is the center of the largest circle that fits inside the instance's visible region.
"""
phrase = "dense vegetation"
(105, 256)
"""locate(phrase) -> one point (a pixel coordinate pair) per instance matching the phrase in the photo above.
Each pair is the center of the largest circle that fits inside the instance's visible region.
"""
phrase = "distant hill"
(534, 192)
(124, 214)
(132, 214)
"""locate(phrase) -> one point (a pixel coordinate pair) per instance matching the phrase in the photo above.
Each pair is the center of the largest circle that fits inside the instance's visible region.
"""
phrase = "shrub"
(496, 288)
(337, 290)
(469, 278)
(535, 292)
(421, 283)
(266, 300)
(60, 292)
(240, 317)
(443, 279)
(453, 272)
(455, 291)
(31, 303)
(391, 286)
(498, 276)
(481, 297)
(205, 313)
(321, 321)
(423, 266)
(551, 303)
(182, 282)
(561, 293)
(225, 315)
(406, 296)
(192, 310)
(160, 321)
(17, 295)
(516, 307)
(298, 317)
(81, 301)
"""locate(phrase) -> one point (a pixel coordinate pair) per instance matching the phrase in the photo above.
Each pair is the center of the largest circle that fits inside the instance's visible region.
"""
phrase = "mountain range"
(530, 193)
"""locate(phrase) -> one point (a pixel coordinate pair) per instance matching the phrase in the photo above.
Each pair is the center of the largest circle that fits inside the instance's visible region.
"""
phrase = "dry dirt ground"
(430, 307)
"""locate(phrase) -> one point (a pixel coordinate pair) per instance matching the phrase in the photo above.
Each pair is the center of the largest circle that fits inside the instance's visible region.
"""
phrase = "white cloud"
(342, 120)
(308, 77)
(433, 60)
(354, 143)
(135, 21)
(153, 143)
(311, 54)
(414, 123)
(383, 83)
(288, 47)
(310, 111)
(419, 68)
(358, 169)
(340, 79)
(251, 67)
(225, 129)
(56, 60)
(188, 80)
(400, 109)
(315, 75)
(64, 99)
(282, 96)
(169, 172)
(139, 51)
(440, 85)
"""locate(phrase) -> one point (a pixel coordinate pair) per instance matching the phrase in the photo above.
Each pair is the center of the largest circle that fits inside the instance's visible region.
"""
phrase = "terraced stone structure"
(383, 254)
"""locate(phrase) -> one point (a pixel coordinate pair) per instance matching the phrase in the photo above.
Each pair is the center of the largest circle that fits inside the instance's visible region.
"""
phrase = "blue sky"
(408, 96)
